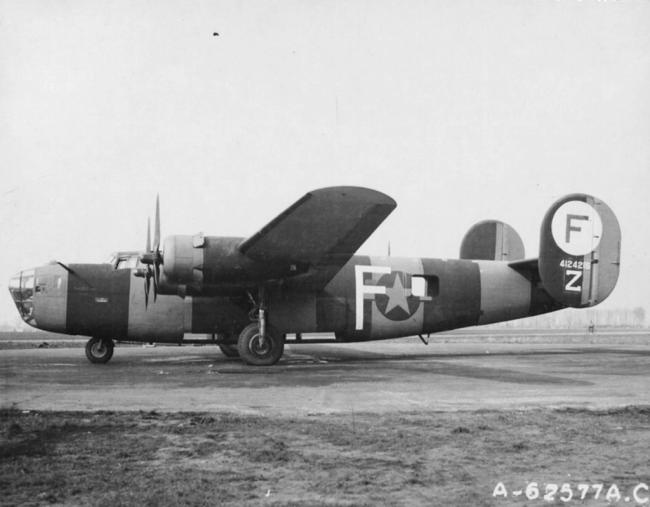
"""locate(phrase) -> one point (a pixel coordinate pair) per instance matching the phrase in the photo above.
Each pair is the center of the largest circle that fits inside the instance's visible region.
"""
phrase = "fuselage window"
(41, 284)
(425, 286)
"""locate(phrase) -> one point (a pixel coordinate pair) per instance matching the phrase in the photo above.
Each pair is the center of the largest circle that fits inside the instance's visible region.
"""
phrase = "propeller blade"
(152, 258)
(156, 232)
(148, 248)
(146, 289)
(156, 275)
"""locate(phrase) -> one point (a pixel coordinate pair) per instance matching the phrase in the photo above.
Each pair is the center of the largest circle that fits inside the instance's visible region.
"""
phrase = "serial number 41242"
(570, 263)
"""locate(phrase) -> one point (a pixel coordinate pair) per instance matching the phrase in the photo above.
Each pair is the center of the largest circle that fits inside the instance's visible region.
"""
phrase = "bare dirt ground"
(151, 458)
(373, 377)
(388, 423)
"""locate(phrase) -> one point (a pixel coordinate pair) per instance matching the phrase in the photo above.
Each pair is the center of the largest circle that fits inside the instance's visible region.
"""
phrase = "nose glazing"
(21, 288)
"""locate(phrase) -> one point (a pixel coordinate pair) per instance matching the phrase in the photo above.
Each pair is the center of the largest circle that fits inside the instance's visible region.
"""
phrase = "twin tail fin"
(579, 250)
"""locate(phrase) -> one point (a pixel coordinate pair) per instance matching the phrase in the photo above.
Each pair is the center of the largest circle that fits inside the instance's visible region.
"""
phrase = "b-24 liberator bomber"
(299, 274)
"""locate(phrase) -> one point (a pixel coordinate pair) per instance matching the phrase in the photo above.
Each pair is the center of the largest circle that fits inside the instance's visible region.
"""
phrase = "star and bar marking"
(394, 300)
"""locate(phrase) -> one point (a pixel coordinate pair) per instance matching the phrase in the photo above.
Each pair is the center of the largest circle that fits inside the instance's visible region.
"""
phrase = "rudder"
(579, 250)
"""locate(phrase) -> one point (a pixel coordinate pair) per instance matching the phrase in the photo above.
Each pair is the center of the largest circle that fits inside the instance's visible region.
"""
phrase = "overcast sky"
(460, 111)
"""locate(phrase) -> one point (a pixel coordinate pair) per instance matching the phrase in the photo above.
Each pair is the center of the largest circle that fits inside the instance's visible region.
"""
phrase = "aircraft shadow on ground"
(327, 367)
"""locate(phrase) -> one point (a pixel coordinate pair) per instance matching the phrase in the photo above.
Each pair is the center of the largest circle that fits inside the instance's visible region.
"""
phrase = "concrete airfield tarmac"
(477, 369)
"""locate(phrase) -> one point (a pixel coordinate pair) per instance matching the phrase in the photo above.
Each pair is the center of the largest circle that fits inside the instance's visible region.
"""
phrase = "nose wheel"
(99, 350)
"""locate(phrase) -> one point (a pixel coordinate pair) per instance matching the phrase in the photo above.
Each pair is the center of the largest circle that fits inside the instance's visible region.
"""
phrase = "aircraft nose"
(21, 288)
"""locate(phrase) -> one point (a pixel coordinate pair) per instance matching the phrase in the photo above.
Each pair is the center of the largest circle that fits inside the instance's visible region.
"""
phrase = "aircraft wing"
(321, 231)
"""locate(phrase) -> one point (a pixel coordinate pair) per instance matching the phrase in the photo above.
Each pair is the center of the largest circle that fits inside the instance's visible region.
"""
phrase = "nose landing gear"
(99, 350)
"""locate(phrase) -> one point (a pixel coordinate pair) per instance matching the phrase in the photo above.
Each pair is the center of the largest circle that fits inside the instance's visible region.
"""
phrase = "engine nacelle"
(210, 265)
(183, 259)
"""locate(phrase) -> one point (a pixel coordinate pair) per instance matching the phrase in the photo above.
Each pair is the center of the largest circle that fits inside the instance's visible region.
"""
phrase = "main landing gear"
(259, 349)
(99, 350)
(258, 343)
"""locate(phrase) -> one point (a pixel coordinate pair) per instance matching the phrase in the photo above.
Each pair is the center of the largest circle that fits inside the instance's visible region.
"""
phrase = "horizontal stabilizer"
(579, 252)
(492, 240)
(527, 267)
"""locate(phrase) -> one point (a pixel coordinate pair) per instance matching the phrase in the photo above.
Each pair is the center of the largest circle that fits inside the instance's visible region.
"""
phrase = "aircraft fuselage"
(369, 298)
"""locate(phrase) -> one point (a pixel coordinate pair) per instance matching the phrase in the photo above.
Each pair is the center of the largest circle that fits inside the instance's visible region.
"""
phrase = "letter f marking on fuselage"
(362, 289)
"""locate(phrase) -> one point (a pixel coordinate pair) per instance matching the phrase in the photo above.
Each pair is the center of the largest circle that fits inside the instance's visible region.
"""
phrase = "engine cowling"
(183, 260)
(210, 265)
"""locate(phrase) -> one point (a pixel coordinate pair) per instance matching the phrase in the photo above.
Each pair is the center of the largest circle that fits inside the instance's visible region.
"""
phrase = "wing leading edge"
(322, 230)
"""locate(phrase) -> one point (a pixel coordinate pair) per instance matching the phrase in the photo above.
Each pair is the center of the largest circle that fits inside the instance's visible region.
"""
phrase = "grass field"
(435, 458)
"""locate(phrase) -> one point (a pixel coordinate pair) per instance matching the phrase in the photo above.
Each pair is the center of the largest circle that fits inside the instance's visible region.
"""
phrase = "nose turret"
(21, 288)
(40, 295)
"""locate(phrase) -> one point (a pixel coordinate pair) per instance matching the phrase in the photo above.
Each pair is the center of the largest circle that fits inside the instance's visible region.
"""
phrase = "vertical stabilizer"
(579, 252)
(492, 240)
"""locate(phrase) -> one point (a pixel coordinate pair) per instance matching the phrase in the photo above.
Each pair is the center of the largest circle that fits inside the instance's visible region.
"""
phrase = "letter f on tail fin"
(579, 251)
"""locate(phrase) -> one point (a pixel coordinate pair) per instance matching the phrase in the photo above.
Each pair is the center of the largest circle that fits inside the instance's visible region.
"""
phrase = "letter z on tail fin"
(579, 251)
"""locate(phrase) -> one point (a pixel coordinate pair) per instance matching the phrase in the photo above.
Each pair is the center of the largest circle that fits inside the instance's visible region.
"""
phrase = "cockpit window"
(127, 263)
(125, 260)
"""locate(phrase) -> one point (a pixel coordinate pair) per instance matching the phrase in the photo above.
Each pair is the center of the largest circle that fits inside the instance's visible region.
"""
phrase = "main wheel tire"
(229, 350)
(99, 350)
(257, 351)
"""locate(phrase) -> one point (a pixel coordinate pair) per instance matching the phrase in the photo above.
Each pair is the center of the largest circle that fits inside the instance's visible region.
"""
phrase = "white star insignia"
(396, 296)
